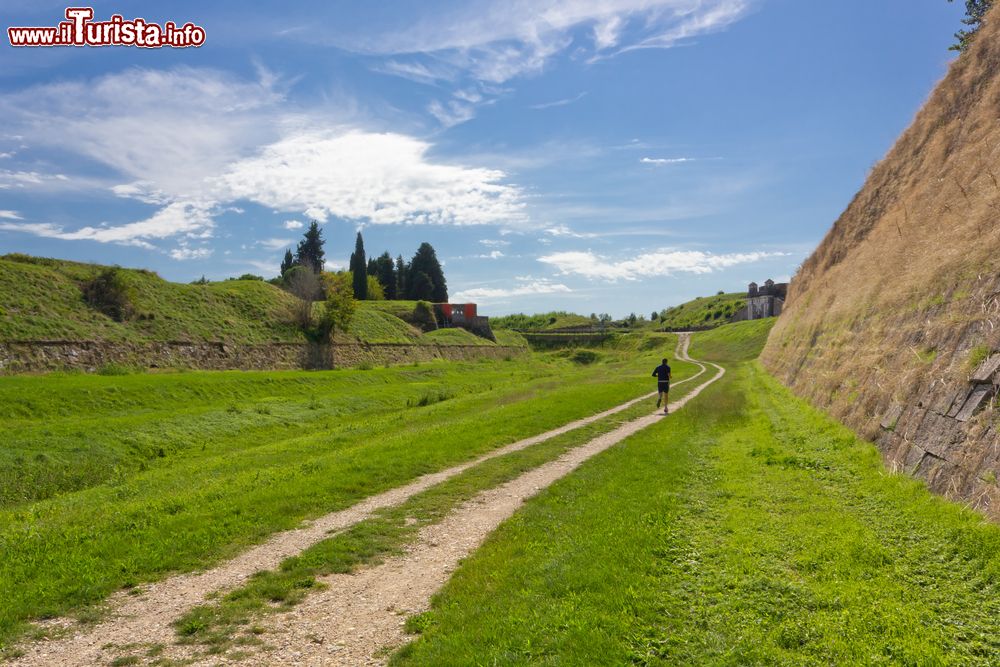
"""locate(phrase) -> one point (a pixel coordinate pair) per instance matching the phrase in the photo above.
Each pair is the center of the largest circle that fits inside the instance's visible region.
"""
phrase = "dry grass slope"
(891, 313)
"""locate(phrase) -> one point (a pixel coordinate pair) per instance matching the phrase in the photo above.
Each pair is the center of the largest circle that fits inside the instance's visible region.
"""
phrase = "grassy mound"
(42, 299)
(540, 321)
(705, 311)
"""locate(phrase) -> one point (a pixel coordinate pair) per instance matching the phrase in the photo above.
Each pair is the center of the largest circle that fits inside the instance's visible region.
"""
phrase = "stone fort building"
(765, 300)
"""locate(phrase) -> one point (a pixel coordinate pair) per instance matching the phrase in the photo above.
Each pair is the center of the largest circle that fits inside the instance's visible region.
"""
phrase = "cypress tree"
(287, 262)
(426, 261)
(422, 286)
(359, 268)
(401, 271)
(386, 274)
(310, 251)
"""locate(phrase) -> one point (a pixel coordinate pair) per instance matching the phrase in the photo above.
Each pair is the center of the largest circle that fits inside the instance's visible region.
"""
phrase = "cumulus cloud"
(495, 254)
(192, 142)
(9, 215)
(377, 178)
(499, 294)
(185, 253)
(664, 262)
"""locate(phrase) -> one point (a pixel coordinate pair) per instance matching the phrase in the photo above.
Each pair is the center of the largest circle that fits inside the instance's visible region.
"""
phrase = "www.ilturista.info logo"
(81, 30)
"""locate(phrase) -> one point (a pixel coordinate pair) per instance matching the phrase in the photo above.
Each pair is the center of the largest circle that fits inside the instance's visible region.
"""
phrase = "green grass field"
(107, 482)
(748, 529)
(745, 529)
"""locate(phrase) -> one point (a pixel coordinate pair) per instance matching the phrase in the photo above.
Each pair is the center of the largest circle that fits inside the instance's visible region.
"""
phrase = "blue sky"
(592, 156)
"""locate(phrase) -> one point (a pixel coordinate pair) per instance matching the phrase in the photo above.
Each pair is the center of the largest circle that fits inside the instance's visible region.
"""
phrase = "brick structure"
(463, 315)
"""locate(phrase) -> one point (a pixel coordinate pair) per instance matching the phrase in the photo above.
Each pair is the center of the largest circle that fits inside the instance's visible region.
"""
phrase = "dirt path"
(146, 618)
(360, 616)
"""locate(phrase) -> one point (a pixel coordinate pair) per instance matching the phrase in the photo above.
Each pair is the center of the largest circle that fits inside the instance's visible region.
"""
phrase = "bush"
(108, 292)
(584, 357)
(423, 316)
(340, 304)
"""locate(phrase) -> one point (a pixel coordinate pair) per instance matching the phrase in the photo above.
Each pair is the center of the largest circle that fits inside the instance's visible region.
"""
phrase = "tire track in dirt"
(147, 617)
(360, 616)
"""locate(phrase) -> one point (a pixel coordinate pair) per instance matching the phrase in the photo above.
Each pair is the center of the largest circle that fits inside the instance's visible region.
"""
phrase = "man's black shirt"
(662, 373)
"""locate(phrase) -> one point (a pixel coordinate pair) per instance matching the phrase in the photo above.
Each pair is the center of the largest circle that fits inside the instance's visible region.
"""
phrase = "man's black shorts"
(663, 387)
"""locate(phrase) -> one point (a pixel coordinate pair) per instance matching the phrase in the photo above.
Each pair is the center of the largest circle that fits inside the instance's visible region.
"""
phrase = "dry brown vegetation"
(903, 294)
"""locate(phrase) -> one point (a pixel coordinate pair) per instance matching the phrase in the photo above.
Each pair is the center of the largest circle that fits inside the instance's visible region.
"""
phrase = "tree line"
(372, 278)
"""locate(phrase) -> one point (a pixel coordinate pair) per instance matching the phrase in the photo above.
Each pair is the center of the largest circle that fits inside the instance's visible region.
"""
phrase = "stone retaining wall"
(91, 356)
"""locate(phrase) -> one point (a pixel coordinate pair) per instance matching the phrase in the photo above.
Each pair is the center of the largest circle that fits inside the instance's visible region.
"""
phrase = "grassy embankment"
(540, 322)
(108, 482)
(41, 299)
(746, 529)
(705, 311)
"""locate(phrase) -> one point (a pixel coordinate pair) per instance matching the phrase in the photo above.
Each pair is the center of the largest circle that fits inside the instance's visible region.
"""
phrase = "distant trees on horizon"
(377, 278)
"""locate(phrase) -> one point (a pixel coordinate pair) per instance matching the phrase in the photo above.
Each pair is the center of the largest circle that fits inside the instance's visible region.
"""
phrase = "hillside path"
(147, 617)
(360, 617)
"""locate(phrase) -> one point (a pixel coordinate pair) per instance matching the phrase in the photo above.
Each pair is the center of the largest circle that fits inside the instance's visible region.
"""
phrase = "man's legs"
(666, 397)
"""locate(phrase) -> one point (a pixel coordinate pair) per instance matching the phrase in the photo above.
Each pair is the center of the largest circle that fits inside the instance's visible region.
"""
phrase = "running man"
(662, 373)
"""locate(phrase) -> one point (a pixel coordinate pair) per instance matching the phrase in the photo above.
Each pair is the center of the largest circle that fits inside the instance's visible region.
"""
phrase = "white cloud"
(374, 178)
(493, 295)
(560, 103)
(495, 254)
(33, 180)
(607, 32)
(665, 160)
(9, 215)
(494, 243)
(164, 129)
(192, 220)
(185, 253)
(664, 262)
(496, 40)
(193, 142)
(293, 224)
(6, 155)
(565, 231)
(276, 244)
(451, 113)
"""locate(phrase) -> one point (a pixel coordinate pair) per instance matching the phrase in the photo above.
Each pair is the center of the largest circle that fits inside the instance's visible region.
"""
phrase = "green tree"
(310, 251)
(421, 286)
(975, 15)
(375, 291)
(425, 262)
(109, 292)
(359, 269)
(306, 285)
(402, 270)
(386, 273)
(372, 266)
(288, 261)
(339, 307)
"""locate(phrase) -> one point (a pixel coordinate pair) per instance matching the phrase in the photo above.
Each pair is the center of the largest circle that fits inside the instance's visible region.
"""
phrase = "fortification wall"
(92, 356)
